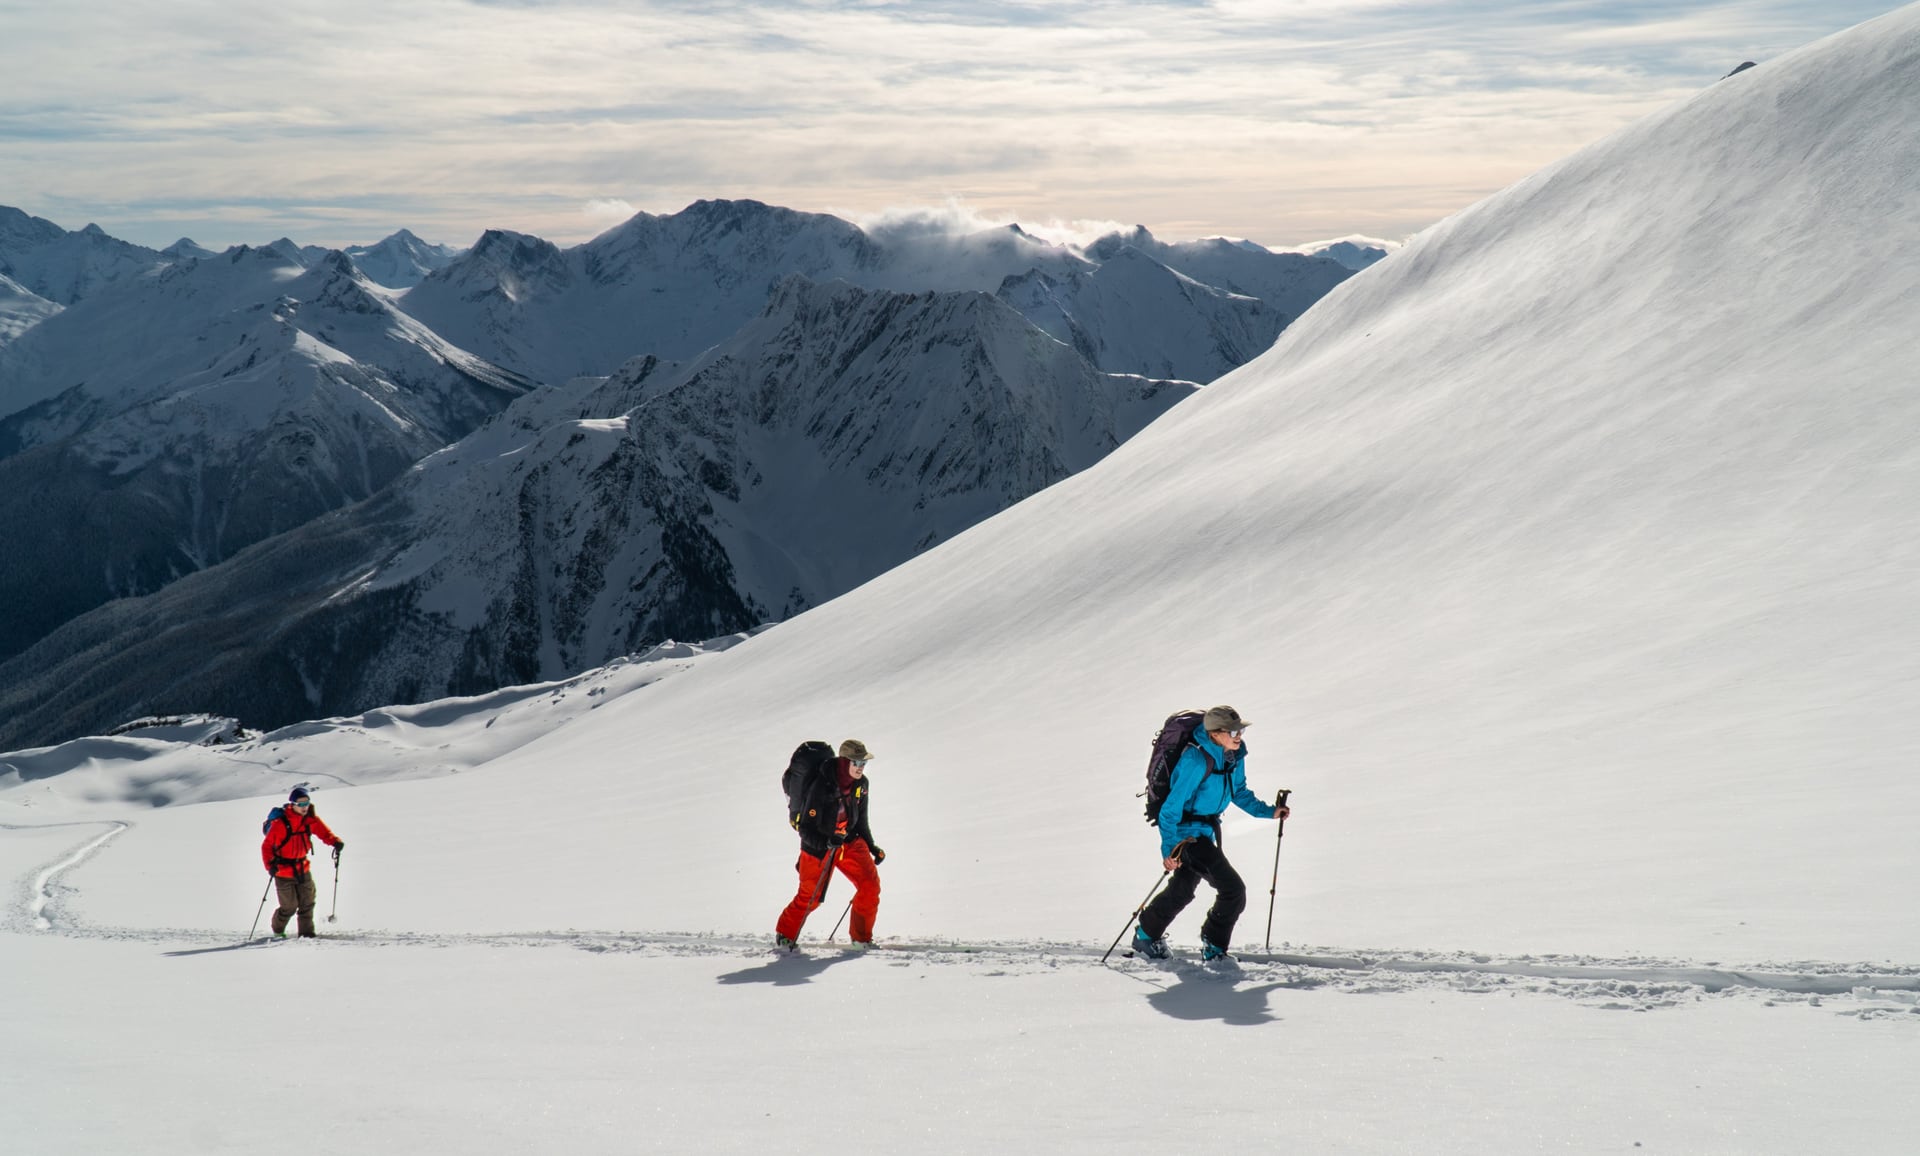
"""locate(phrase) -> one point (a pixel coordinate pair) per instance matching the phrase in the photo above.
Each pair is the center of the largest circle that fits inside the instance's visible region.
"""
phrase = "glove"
(879, 856)
(337, 848)
(837, 839)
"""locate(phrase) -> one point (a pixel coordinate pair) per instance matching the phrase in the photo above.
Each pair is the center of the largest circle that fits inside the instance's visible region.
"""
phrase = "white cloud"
(605, 211)
(1255, 118)
(954, 217)
(951, 218)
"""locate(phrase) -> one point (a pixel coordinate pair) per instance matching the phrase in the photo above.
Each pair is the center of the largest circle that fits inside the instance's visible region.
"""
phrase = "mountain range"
(839, 433)
(166, 421)
(61, 266)
(675, 285)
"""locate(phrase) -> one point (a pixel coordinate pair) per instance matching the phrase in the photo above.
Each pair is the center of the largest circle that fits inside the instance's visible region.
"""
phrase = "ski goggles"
(301, 803)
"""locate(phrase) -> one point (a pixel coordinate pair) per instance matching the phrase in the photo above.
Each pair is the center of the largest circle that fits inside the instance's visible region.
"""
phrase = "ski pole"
(839, 921)
(1273, 886)
(333, 916)
(1143, 903)
(262, 907)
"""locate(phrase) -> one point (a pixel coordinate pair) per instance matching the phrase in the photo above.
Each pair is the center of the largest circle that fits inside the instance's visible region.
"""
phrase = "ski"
(913, 947)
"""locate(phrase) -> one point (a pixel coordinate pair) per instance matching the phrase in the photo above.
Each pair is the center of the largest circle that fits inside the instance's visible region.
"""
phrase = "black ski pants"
(1200, 859)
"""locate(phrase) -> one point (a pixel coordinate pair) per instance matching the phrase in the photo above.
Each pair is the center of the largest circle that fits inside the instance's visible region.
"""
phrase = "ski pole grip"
(1283, 797)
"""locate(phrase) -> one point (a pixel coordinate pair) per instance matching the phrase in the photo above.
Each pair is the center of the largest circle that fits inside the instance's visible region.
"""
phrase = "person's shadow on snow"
(786, 970)
(1212, 997)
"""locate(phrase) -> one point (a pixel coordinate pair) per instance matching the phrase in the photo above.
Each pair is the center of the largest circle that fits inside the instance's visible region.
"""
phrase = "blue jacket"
(1193, 790)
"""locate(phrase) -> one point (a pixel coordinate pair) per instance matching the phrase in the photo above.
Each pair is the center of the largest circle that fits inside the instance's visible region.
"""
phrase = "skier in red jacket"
(290, 835)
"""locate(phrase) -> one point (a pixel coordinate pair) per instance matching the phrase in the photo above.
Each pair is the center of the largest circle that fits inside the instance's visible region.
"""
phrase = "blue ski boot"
(1147, 947)
(1215, 955)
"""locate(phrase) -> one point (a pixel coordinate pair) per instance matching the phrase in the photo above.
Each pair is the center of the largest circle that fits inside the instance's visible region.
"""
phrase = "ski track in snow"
(1609, 984)
(39, 893)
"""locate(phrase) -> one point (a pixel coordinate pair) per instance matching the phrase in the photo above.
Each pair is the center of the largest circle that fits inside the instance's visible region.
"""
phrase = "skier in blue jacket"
(1211, 773)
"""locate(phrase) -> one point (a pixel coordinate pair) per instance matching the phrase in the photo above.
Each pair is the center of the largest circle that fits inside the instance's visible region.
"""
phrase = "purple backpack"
(1176, 735)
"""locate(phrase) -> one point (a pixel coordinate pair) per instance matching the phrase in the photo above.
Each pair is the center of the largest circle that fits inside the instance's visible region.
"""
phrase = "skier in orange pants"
(834, 834)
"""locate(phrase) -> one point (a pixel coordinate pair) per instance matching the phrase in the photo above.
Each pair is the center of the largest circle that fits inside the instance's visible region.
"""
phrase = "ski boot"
(1147, 947)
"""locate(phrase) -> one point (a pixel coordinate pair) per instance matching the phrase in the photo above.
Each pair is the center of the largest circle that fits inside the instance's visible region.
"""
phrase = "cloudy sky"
(337, 121)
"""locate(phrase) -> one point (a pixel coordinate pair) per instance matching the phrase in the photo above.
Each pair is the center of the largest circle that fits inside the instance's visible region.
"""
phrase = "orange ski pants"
(856, 863)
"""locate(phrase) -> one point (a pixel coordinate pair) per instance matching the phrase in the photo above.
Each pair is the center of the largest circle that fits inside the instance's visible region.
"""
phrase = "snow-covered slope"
(1564, 562)
(840, 433)
(64, 267)
(163, 424)
(21, 309)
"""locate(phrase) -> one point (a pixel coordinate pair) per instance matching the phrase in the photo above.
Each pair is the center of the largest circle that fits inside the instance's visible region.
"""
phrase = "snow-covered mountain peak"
(510, 261)
(1354, 252)
(63, 267)
(288, 248)
(187, 249)
(401, 260)
(20, 230)
(1106, 246)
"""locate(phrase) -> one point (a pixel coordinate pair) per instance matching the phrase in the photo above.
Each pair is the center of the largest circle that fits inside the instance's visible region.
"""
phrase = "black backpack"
(797, 782)
(1176, 735)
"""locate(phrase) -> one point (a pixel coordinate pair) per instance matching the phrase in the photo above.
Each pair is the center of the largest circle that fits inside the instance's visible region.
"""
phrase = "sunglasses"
(1238, 733)
(858, 762)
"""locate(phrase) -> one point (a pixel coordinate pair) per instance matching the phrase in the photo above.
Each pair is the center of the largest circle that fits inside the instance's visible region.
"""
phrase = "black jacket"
(821, 812)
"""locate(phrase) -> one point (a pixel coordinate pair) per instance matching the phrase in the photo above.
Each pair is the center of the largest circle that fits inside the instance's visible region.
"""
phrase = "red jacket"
(289, 839)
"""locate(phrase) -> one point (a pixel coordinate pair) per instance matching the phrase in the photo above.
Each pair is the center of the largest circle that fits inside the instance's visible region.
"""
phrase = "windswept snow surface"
(1565, 563)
